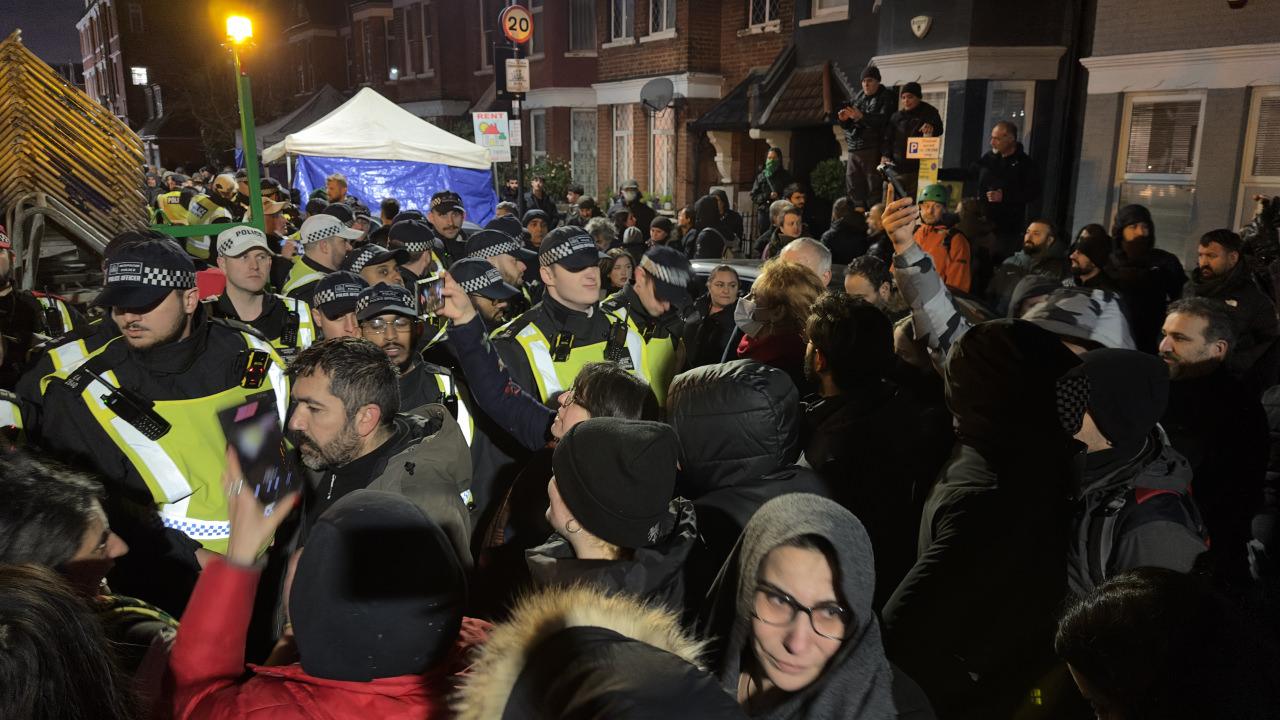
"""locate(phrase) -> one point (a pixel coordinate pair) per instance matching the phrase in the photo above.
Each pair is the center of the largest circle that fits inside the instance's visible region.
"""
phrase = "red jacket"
(208, 667)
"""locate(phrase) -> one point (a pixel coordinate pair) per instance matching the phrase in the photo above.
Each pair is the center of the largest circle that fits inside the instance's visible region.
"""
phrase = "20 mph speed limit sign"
(517, 23)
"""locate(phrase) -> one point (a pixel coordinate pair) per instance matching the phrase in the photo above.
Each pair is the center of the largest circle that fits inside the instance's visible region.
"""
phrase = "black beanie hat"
(378, 592)
(871, 71)
(1131, 215)
(1095, 247)
(913, 88)
(617, 477)
(1124, 391)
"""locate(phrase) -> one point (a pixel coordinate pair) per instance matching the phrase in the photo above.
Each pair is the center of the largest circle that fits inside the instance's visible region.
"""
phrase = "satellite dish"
(657, 93)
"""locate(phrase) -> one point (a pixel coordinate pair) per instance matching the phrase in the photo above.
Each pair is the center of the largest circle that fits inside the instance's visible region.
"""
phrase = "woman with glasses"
(791, 616)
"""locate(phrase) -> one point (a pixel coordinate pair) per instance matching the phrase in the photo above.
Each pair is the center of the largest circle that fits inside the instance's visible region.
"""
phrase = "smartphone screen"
(253, 429)
(430, 295)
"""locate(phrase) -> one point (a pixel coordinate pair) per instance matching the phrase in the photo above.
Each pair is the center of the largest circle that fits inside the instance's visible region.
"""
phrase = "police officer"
(143, 412)
(446, 215)
(485, 287)
(325, 242)
(509, 256)
(171, 205)
(651, 308)
(422, 249)
(333, 307)
(388, 317)
(27, 317)
(375, 264)
(218, 205)
(544, 348)
(244, 257)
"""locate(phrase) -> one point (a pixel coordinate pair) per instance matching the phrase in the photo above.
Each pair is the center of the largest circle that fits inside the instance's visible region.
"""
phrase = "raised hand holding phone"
(252, 523)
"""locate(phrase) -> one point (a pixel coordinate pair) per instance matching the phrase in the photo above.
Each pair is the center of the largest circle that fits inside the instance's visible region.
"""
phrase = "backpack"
(1132, 509)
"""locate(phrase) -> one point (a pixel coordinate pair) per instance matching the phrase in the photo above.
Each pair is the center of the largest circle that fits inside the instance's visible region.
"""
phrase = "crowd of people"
(545, 469)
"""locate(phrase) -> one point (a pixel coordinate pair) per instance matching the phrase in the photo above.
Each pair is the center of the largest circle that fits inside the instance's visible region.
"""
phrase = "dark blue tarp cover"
(412, 183)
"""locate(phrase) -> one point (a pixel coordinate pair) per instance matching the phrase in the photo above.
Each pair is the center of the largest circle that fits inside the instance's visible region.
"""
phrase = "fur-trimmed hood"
(514, 663)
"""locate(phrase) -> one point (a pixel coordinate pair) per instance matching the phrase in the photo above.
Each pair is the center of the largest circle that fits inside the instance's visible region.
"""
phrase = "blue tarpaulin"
(412, 183)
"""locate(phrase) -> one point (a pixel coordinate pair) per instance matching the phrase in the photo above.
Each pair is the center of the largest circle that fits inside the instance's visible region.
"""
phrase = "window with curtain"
(582, 25)
(537, 42)
(622, 18)
(427, 35)
(1261, 167)
(487, 20)
(662, 156)
(413, 34)
(762, 11)
(1163, 135)
(663, 14)
(136, 23)
(622, 128)
(827, 7)
(538, 134)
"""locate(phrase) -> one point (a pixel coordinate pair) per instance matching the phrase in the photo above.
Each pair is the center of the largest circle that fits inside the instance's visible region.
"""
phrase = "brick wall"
(740, 54)
(1130, 26)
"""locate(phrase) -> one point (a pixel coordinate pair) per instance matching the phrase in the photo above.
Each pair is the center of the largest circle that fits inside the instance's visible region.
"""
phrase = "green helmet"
(936, 192)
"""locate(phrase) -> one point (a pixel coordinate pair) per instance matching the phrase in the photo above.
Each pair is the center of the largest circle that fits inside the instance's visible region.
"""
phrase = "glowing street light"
(239, 29)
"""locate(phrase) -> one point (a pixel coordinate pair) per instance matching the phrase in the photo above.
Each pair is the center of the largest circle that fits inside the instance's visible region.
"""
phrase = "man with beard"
(1043, 254)
(350, 433)
(512, 260)
(1222, 276)
(537, 198)
(1219, 425)
(142, 411)
(1150, 278)
(325, 242)
(1090, 257)
(948, 247)
(446, 215)
(536, 224)
(333, 306)
(375, 264)
(243, 256)
(868, 278)
(27, 318)
(388, 317)
(485, 286)
(335, 189)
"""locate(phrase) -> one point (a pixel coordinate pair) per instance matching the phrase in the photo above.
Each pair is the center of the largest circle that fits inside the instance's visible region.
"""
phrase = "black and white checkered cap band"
(143, 274)
(323, 233)
(417, 247)
(342, 291)
(669, 275)
(503, 248)
(575, 244)
(391, 297)
(363, 257)
(475, 285)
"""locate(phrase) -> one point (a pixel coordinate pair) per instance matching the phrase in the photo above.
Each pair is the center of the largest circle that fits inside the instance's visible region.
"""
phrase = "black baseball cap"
(671, 272)
(412, 235)
(570, 247)
(509, 224)
(142, 273)
(367, 255)
(336, 293)
(408, 215)
(341, 211)
(384, 299)
(445, 201)
(477, 276)
(492, 243)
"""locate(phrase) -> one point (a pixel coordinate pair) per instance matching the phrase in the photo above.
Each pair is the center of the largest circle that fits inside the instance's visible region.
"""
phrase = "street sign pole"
(517, 25)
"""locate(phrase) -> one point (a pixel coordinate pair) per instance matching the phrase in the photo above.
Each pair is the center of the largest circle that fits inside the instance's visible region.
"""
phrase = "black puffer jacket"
(653, 573)
(739, 428)
(1253, 318)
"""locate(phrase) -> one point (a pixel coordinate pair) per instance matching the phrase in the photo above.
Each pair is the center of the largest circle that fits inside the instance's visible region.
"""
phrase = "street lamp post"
(239, 31)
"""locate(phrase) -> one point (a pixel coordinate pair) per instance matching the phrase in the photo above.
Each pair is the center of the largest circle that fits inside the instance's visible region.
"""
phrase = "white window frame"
(945, 89)
(580, 52)
(769, 22)
(653, 152)
(406, 70)
(626, 136)
(537, 150)
(1024, 128)
(486, 63)
(1122, 152)
(578, 173)
(1271, 183)
(668, 26)
(628, 26)
(539, 32)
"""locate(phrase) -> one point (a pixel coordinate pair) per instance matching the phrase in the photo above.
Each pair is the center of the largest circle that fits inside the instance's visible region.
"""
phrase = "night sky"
(48, 26)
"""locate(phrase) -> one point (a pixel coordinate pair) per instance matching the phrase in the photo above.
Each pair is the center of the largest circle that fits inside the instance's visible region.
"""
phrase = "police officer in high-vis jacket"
(652, 309)
(142, 410)
(28, 318)
(244, 257)
(544, 348)
(325, 242)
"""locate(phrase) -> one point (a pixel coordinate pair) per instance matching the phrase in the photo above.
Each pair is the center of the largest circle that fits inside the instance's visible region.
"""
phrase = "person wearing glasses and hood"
(791, 611)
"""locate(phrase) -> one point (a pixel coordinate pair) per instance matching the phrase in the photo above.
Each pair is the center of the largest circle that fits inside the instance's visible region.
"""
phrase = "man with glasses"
(388, 318)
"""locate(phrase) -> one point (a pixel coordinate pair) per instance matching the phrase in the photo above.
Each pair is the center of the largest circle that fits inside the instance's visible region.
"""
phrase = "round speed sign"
(517, 23)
